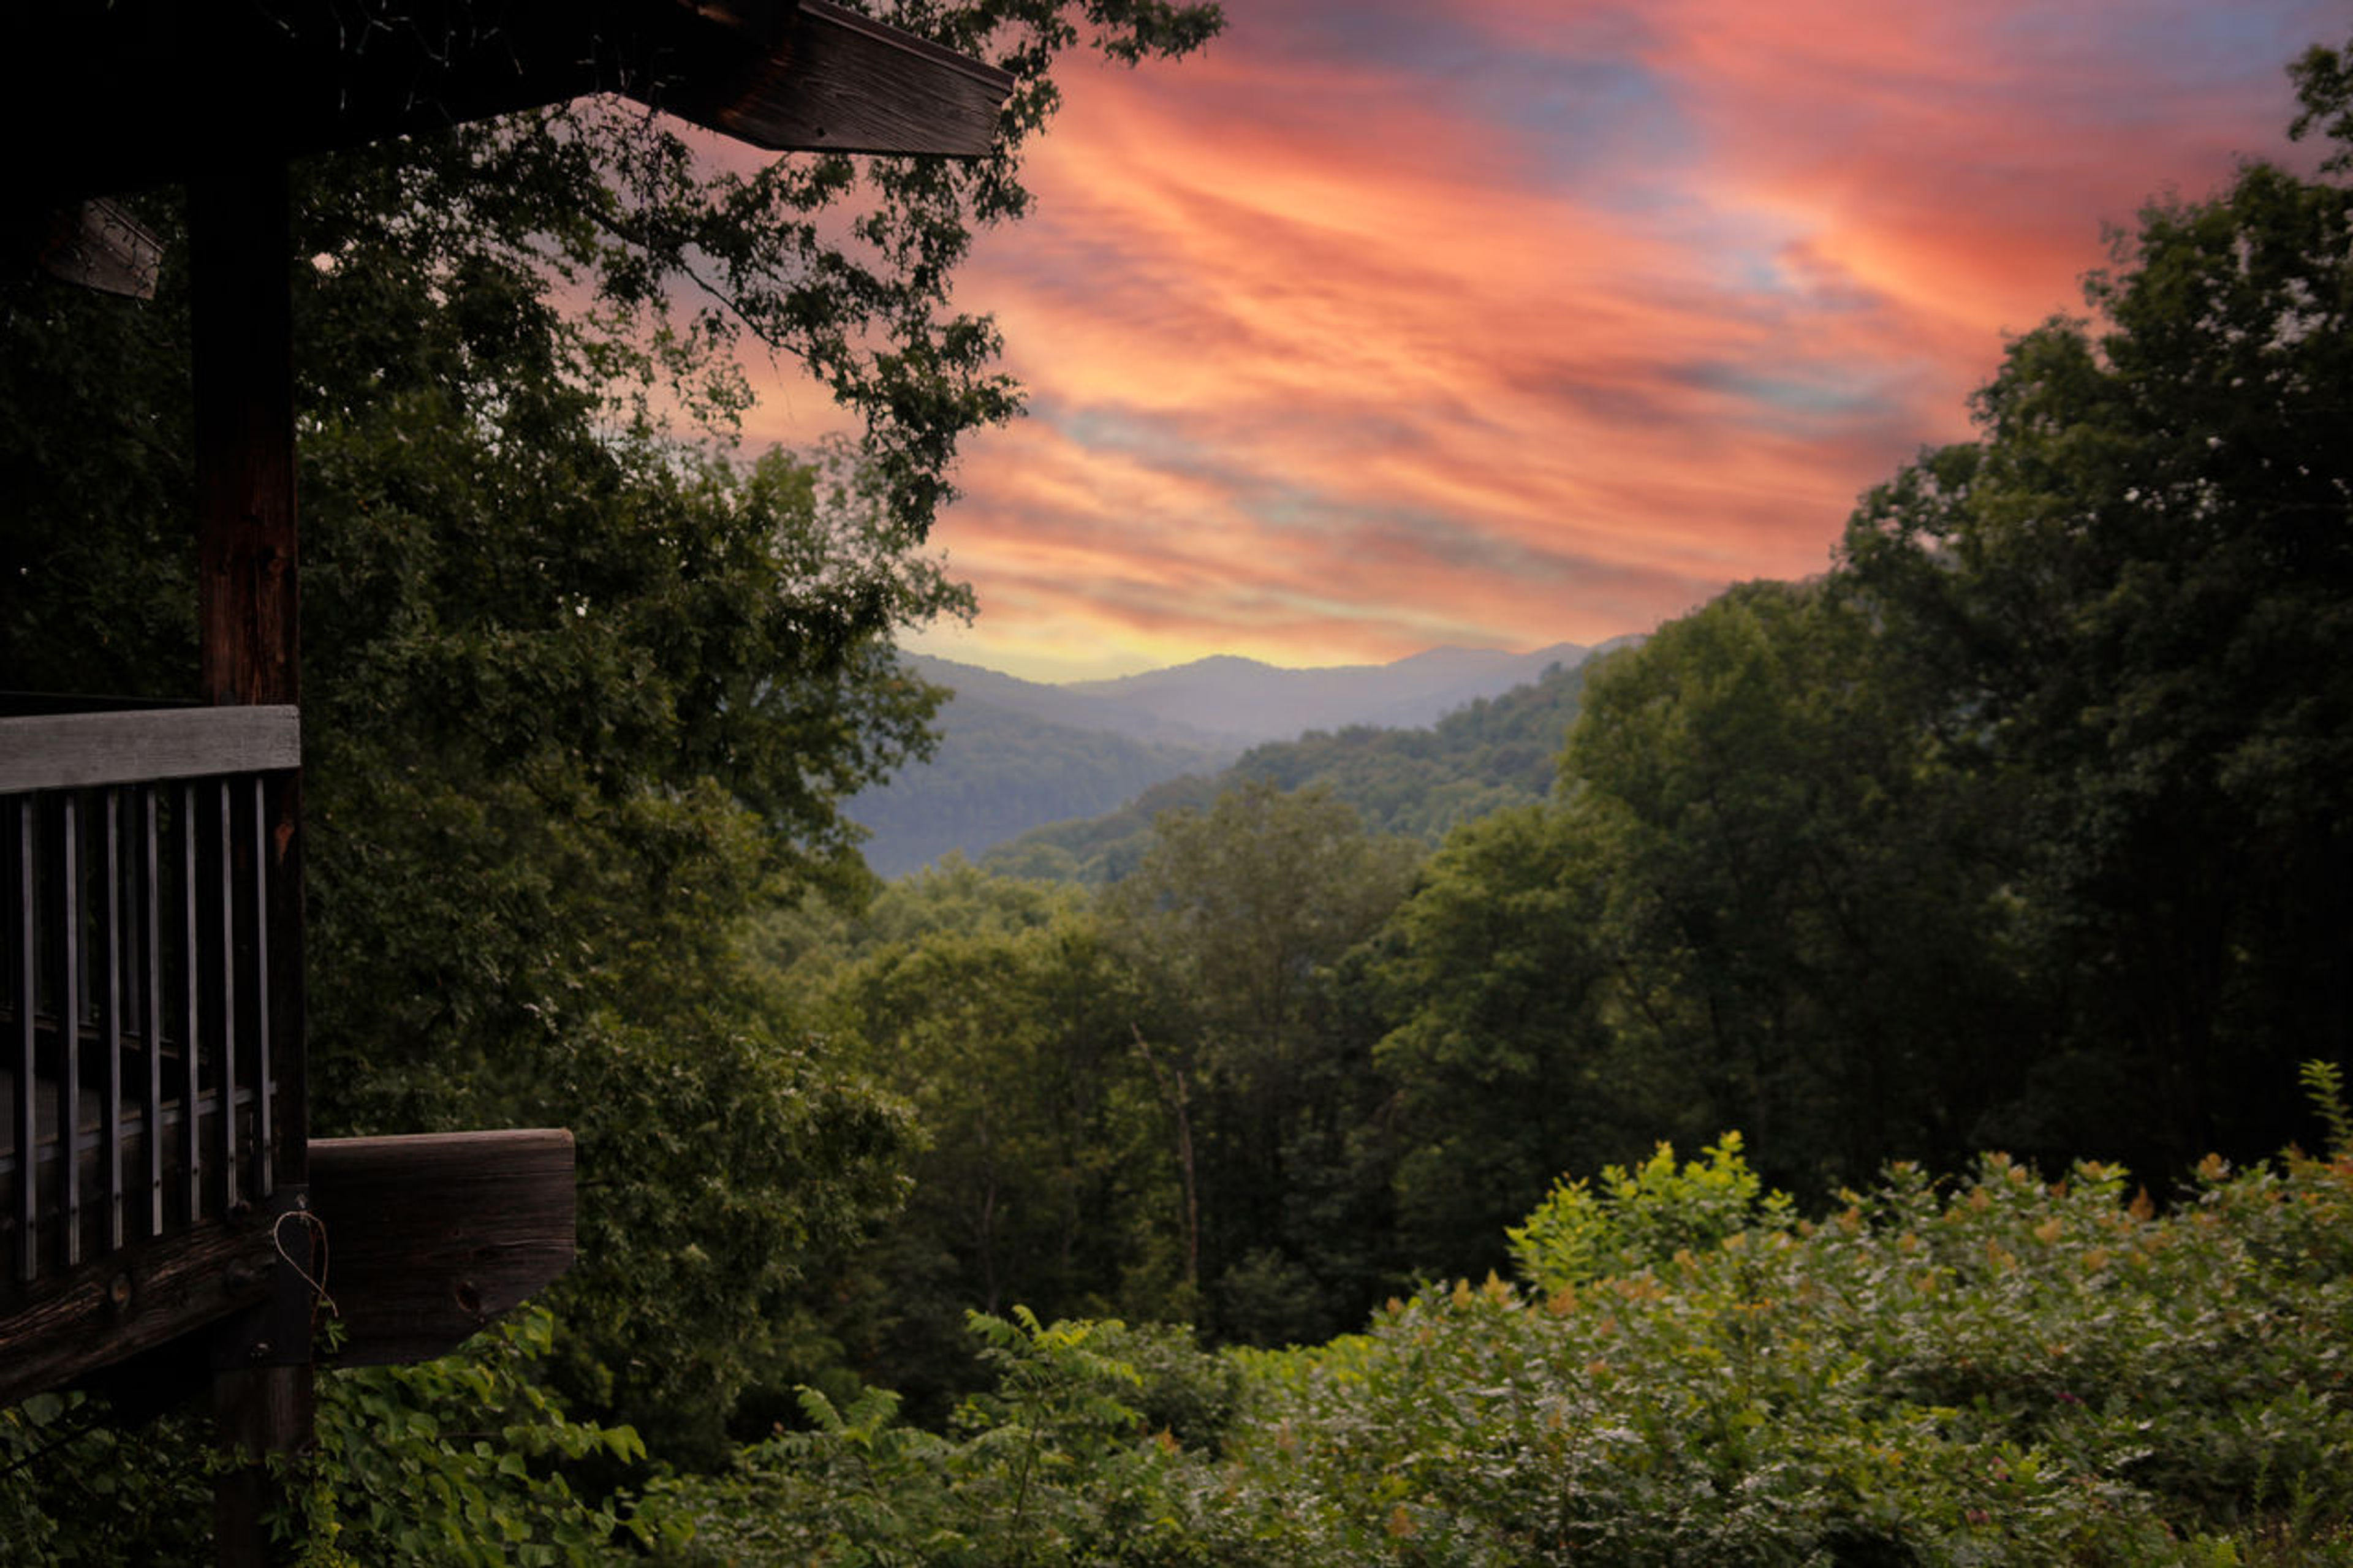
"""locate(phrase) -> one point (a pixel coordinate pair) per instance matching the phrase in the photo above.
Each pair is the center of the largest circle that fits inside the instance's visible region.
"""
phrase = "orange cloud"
(1380, 326)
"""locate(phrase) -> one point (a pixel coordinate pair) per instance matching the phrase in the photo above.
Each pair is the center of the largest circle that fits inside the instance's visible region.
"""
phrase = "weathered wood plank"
(846, 83)
(71, 751)
(143, 1297)
(99, 245)
(431, 1237)
(283, 78)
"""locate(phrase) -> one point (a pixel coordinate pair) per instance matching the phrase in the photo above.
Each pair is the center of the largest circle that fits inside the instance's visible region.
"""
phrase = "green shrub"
(1993, 1370)
(1188, 1393)
(1056, 1466)
(81, 1488)
(455, 1462)
(2001, 1371)
(448, 1462)
(1642, 1219)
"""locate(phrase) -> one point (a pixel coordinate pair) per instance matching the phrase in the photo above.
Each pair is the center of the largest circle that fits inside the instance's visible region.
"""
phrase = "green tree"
(1000, 1013)
(582, 697)
(1798, 916)
(1239, 918)
(1506, 1069)
(2132, 597)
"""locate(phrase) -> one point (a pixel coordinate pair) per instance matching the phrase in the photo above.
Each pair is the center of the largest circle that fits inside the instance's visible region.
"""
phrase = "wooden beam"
(431, 1237)
(160, 91)
(248, 642)
(427, 1238)
(73, 751)
(840, 82)
(132, 1302)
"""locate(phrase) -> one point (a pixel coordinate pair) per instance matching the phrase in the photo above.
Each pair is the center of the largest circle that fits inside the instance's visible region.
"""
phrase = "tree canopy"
(585, 684)
(2129, 603)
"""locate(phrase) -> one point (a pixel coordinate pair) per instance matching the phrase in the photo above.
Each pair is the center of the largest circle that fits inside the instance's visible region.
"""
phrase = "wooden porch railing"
(145, 1056)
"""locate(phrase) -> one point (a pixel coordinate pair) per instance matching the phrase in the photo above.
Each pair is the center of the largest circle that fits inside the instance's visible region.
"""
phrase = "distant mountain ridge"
(1490, 753)
(1244, 699)
(1069, 707)
(1017, 754)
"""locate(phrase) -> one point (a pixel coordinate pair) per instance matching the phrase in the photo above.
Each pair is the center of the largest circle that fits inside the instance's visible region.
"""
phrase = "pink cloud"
(1372, 329)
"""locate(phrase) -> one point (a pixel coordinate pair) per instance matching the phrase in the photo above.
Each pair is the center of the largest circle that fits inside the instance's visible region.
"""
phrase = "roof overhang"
(116, 95)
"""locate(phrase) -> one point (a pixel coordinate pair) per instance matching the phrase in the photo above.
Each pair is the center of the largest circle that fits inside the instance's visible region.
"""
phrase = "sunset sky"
(1380, 326)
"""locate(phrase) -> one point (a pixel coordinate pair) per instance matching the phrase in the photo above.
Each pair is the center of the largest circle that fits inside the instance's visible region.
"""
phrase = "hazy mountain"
(1017, 754)
(1000, 772)
(1490, 753)
(1244, 699)
(1067, 707)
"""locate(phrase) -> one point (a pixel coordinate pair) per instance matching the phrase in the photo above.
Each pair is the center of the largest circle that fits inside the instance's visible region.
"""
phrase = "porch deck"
(146, 1057)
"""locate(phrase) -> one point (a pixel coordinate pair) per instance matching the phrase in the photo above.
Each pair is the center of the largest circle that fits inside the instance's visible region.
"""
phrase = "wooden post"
(240, 252)
(258, 1411)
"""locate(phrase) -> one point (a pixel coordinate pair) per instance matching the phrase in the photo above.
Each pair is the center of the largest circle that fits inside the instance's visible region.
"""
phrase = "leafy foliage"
(1800, 915)
(458, 1460)
(1053, 1467)
(1628, 1220)
(1240, 920)
(580, 699)
(455, 1461)
(2000, 1370)
(2130, 599)
(1503, 1068)
(1153, 1102)
(1006, 1027)
(2007, 1371)
(77, 1486)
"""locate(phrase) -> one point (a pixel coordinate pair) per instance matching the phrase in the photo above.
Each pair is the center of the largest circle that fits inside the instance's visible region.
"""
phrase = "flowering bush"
(1999, 1370)
(2005, 1371)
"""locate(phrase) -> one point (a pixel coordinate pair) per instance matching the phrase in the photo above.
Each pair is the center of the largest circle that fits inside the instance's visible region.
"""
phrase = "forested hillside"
(1015, 756)
(997, 773)
(1257, 701)
(1492, 752)
(1298, 1191)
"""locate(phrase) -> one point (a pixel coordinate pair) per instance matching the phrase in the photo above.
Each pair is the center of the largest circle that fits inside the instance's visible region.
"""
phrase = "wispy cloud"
(1382, 325)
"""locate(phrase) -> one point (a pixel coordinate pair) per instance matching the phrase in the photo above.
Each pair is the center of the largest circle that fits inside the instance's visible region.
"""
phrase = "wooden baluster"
(147, 913)
(265, 1143)
(109, 1009)
(22, 977)
(67, 915)
(190, 998)
(221, 894)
